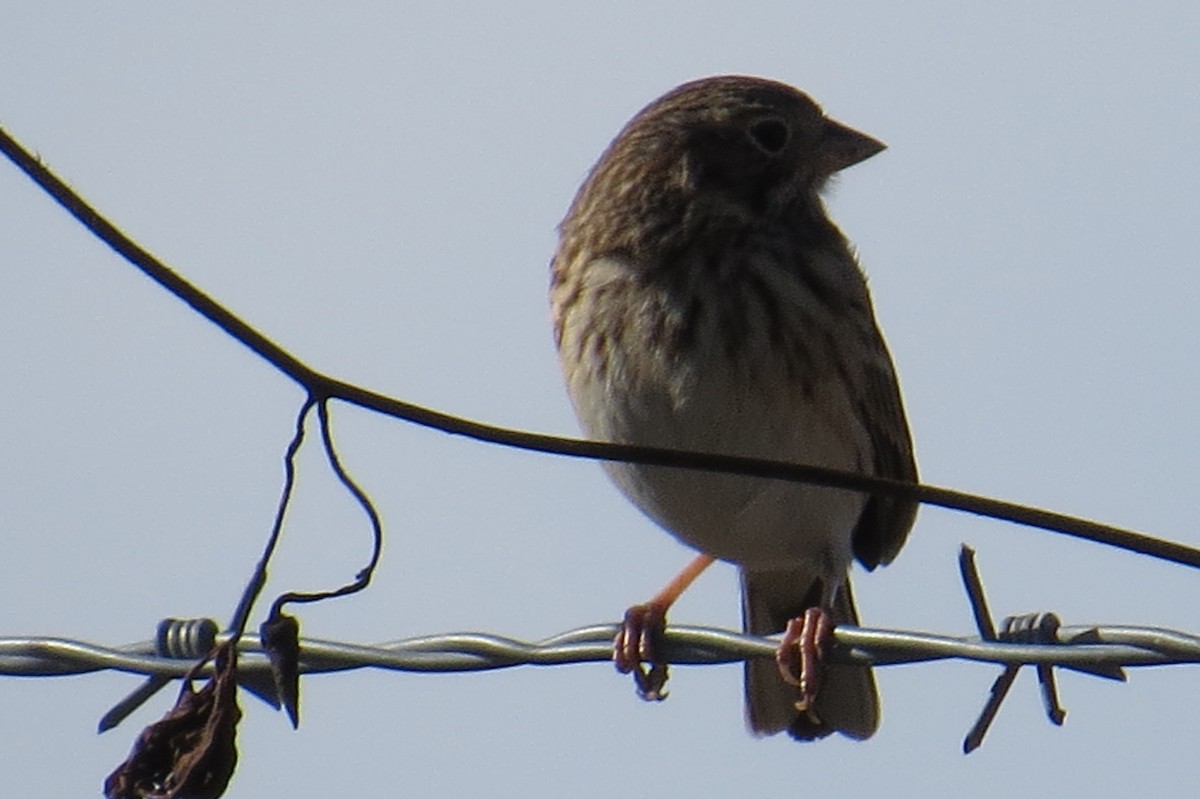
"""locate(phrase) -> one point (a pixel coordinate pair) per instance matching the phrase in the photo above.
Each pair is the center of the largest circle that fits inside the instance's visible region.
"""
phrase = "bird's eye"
(771, 135)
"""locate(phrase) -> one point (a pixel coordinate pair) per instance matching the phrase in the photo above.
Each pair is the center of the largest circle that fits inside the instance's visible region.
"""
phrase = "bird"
(702, 300)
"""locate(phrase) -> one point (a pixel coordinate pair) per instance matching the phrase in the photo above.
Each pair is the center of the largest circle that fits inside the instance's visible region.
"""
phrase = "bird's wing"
(885, 521)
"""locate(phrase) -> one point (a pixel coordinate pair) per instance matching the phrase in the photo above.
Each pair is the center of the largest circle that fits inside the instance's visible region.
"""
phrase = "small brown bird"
(703, 300)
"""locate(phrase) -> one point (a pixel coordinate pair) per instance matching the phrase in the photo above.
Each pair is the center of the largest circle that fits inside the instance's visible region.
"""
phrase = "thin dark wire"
(974, 587)
(259, 579)
(363, 578)
(322, 386)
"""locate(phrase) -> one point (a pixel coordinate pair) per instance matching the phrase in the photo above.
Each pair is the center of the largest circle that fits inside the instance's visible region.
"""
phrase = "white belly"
(642, 389)
(751, 521)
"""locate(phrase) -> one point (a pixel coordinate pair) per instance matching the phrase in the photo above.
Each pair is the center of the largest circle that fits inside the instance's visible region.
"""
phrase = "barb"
(324, 387)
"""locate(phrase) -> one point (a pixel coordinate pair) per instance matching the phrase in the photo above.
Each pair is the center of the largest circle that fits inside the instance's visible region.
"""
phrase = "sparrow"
(703, 300)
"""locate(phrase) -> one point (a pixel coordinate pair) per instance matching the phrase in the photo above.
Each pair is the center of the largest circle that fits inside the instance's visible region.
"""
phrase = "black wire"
(324, 387)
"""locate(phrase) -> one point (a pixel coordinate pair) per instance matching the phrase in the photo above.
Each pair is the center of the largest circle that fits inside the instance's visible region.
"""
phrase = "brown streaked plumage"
(703, 300)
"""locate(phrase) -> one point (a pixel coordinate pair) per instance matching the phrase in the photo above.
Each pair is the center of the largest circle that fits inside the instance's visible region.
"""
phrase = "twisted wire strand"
(1084, 648)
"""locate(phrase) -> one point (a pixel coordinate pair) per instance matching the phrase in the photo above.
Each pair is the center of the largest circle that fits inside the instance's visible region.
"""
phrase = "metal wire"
(1082, 648)
(322, 387)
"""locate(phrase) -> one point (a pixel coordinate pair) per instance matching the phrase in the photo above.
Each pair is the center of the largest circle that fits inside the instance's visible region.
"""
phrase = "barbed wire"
(1099, 650)
(1083, 648)
(1029, 639)
(1039, 640)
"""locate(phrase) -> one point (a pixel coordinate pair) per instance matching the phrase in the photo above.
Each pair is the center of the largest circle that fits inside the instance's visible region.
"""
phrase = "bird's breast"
(650, 372)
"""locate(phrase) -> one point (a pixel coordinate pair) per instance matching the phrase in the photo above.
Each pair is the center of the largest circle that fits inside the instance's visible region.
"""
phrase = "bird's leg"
(802, 651)
(639, 637)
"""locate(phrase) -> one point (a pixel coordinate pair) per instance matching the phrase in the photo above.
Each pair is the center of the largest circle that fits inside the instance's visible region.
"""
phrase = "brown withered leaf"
(191, 752)
(280, 637)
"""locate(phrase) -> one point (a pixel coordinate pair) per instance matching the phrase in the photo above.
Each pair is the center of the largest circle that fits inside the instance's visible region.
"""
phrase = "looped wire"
(1027, 628)
(1031, 628)
(180, 639)
(186, 639)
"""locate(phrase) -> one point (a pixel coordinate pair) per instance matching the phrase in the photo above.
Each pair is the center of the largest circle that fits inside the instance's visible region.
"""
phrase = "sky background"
(377, 188)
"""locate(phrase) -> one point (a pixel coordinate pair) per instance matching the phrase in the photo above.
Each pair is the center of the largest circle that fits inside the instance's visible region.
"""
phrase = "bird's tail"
(847, 701)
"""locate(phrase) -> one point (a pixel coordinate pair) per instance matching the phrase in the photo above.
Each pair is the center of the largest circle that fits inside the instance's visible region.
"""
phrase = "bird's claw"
(636, 650)
(801, 654)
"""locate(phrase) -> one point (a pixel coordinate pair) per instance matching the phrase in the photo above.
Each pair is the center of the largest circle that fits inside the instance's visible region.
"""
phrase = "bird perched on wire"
(703, 300)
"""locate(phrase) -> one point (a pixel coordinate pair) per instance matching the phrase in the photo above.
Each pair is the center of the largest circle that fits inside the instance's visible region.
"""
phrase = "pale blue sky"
(377, 188)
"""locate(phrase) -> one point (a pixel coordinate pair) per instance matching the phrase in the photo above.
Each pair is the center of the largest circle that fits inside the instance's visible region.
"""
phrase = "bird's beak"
(842, 146)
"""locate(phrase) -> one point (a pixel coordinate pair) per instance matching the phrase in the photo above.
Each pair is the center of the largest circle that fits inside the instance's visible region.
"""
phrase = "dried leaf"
(280, 637)
(191, 752)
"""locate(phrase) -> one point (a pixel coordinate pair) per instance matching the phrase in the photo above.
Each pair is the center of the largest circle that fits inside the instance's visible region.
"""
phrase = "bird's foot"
(636, 649)
(800, 656)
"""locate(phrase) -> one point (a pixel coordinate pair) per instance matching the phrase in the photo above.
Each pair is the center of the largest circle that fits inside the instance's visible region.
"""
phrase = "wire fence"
(1100, 650)
(1083, 648)
(1039, 640)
